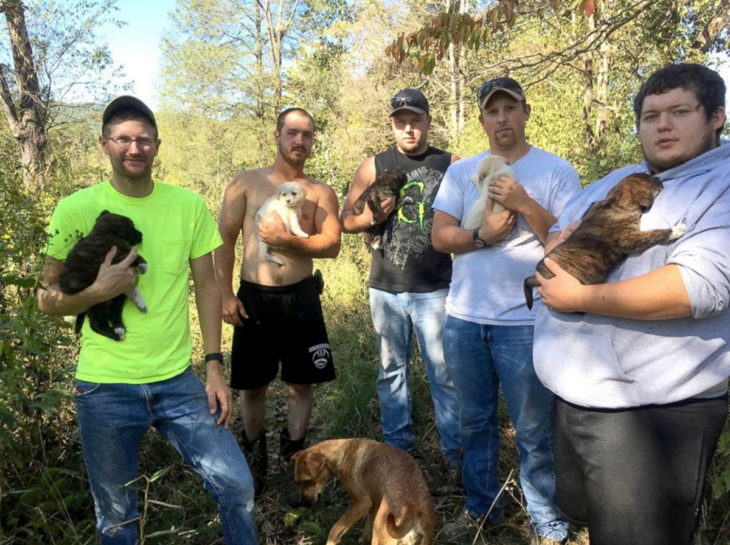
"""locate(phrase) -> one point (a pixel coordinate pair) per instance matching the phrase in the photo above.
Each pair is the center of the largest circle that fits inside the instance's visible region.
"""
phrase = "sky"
(137, 44)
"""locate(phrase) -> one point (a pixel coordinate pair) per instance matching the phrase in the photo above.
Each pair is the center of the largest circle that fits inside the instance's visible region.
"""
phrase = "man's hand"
(496, 227)
(272, 231)
(218, 393)
(368, 217)
(562, 292)
(509, 192)
(233, 311)
(113, 279)
(387, 206)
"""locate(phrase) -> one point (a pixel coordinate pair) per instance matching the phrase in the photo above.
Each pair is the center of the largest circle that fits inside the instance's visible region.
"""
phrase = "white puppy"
(490, 168)
(287, 203)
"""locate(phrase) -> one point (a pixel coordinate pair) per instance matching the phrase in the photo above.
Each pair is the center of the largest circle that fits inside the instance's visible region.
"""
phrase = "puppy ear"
(312, 465)
(644, 198)
(304, 192)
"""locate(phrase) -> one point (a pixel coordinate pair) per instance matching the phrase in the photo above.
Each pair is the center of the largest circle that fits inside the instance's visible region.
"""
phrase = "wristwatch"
(478, 241)
(213, 356)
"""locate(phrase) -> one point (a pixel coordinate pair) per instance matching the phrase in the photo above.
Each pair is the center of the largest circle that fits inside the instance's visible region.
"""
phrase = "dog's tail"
(399, 524)
(530, 282)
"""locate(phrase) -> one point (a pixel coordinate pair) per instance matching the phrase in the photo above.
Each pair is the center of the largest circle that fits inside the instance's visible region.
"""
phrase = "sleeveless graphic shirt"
(408, 262)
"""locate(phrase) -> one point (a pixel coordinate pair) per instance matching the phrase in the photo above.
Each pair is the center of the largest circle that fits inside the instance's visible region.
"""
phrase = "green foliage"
(218, 118)
(42, 496)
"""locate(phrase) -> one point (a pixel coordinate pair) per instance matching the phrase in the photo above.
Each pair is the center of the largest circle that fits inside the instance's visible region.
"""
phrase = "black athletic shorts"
(285, 323)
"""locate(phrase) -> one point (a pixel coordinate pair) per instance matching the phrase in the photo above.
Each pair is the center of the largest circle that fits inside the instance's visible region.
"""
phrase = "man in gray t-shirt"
(488, 330)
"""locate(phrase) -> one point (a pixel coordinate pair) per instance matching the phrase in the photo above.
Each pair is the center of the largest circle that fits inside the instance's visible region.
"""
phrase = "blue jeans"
(481, 357)
(395, 317)
(114, 418)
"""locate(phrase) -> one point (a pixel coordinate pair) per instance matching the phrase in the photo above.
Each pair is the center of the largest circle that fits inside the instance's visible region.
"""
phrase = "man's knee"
(251, 397)
(300, 392)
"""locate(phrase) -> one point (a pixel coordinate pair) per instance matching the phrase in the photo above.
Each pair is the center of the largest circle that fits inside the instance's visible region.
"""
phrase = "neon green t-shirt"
(176, 227)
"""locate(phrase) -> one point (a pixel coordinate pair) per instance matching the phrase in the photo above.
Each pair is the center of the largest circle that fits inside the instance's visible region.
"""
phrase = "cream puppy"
(490, 168)
(286, 202)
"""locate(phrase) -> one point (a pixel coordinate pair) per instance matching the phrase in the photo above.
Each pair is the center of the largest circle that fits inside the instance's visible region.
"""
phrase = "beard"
(293, 159)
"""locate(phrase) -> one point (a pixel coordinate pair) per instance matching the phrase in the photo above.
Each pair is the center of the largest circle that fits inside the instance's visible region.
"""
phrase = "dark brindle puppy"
(608, 234)
(385, 186)
(82, 265)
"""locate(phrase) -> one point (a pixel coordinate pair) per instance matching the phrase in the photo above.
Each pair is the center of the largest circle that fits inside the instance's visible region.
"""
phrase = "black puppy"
(385, 186)
(82, 265)
(608, 234)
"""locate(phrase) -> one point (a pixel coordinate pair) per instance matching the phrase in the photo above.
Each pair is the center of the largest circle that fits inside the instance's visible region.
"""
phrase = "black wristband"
(213, 356)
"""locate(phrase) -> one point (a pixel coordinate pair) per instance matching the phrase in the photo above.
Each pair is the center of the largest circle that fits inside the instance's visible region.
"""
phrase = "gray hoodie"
(597, 361)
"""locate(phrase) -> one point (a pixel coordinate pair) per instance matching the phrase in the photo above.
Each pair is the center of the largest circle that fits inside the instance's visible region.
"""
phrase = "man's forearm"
(208, 303)
(53, 302)
(224, 261)
(353, 224)
(316, 246)
(539, 220)
(656, 295)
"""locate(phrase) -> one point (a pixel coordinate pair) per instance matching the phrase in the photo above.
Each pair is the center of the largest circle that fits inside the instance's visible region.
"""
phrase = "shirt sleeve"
(64, 230)
(703, 258)
(566, 184)
(206, 236)
(450, 196)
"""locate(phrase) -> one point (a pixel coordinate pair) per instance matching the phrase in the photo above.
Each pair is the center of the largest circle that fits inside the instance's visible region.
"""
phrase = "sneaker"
(461, 529)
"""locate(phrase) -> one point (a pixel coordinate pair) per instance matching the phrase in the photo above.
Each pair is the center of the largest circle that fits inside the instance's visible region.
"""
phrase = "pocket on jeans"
(83, 388)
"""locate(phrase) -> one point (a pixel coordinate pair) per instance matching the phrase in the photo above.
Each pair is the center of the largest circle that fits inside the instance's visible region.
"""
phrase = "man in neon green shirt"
(124, 387)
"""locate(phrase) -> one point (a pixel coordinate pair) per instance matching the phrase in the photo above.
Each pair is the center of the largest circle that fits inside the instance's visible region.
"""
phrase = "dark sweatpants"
(636, 477)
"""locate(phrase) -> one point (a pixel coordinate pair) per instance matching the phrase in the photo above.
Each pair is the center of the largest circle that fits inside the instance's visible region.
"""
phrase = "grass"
(45, 499)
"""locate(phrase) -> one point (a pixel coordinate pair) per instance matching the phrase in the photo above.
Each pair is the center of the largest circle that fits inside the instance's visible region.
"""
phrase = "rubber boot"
(287, 449)
(258, 459)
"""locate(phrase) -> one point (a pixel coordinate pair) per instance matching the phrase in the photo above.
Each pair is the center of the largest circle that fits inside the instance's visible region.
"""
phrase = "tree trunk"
(26, 115)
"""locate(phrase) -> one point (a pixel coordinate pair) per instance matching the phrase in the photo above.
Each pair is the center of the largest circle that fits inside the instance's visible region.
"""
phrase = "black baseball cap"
(409, 99)
(499, 85)
(127, 102)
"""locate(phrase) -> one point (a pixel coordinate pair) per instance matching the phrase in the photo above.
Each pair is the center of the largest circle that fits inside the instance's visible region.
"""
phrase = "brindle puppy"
(82, 265)
(385, 186)
(608, 234)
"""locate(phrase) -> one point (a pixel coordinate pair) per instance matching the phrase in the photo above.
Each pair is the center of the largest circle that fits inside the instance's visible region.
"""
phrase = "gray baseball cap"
(127, 102)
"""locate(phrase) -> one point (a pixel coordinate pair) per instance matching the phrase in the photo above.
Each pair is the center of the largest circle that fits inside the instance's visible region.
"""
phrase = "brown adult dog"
(382, 480)
(608, 234)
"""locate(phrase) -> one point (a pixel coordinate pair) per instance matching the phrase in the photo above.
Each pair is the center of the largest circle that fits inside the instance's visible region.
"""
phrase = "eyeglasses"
(504, 83)
(125, 141)
(400, 102)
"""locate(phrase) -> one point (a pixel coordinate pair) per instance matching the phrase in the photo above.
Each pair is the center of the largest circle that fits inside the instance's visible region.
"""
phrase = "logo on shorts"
(320, 355)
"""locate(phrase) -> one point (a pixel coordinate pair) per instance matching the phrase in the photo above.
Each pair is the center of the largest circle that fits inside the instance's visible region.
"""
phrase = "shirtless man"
(277, 314)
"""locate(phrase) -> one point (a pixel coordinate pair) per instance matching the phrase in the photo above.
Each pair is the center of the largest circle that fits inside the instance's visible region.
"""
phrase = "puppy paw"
(142, 268)
(119, 332)
(677, 231)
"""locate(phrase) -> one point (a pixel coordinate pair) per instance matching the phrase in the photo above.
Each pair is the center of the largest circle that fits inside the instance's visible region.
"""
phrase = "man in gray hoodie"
(639, 364)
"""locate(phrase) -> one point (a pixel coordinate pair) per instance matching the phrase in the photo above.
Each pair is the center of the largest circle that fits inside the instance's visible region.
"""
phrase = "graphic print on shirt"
(408, 232)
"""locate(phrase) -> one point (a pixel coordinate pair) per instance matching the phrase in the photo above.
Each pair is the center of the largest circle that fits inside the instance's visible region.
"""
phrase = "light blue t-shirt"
(486, 284)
